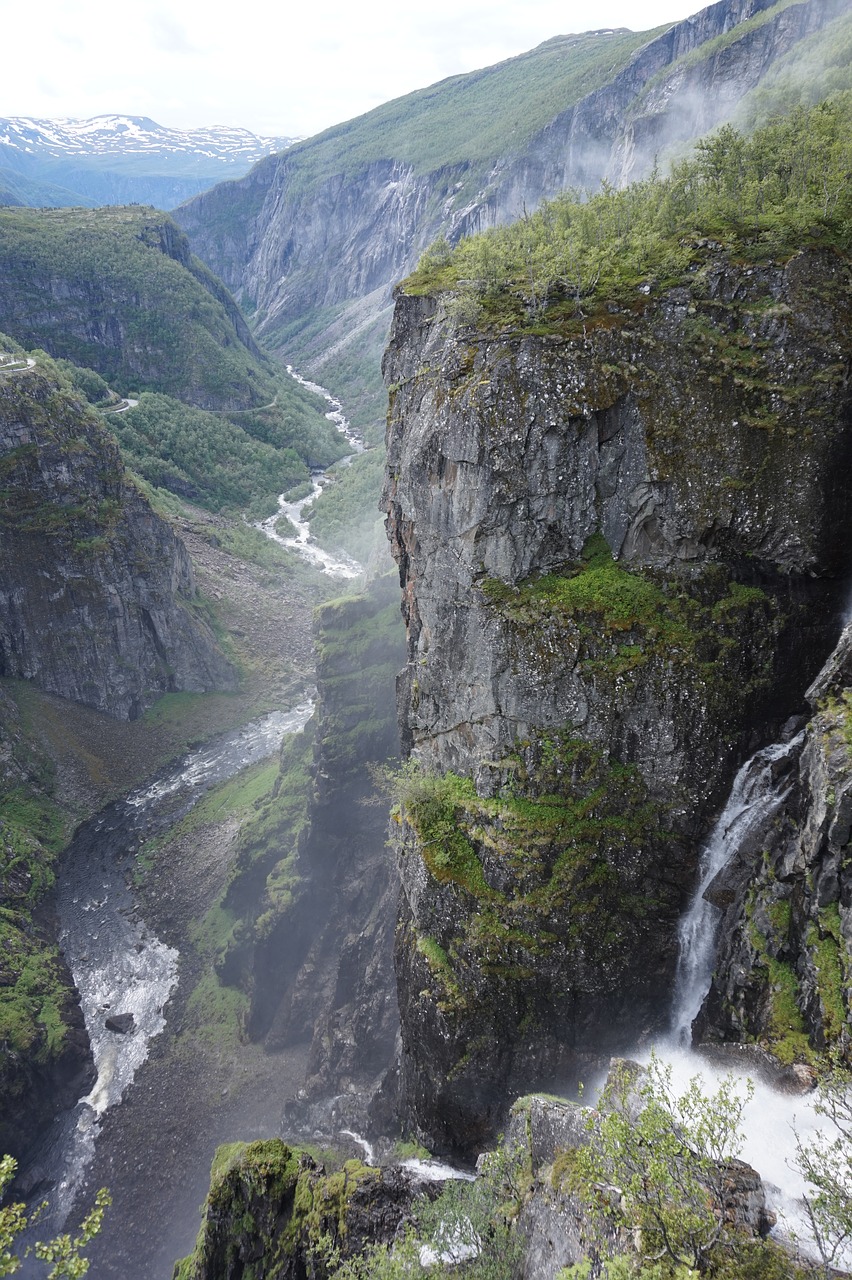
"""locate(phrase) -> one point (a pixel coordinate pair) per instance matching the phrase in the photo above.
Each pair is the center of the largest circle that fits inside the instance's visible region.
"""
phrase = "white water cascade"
(755, 797)
(301, 541)
(771, 1119)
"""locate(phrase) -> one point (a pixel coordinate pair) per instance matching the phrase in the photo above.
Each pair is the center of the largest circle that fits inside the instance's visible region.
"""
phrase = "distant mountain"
(120, 159)
(313, 240)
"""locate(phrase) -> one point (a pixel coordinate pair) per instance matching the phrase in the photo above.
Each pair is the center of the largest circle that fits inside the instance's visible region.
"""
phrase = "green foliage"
(657, 1166)
(468, 1229)
(346, 514)
(825, 1161)
(170, 328)
(470, 119)
(814, 69)
(760, 197)
(621, 619)
(211, 459)
(64, 1252)
(547, 860)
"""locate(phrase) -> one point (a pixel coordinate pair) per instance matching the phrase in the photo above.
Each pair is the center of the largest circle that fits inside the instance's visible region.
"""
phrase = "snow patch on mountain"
(120, 135)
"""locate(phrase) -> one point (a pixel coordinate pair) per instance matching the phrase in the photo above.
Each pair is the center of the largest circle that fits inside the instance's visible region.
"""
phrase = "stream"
(119, 966)
(337, 565)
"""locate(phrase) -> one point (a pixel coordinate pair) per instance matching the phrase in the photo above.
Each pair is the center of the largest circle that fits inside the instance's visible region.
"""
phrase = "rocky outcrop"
(97, 598)
(558, 1225)
(273, 1212)
(336, 220)
(783, 967)
(616, 548)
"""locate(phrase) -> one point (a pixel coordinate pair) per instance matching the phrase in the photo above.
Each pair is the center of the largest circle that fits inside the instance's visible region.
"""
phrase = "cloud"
(169, 35)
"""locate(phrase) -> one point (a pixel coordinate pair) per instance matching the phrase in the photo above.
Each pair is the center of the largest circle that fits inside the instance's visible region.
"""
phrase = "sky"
(285, 68)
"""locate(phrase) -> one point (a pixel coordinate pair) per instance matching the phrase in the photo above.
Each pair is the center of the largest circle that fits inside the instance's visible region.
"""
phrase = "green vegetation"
(760, 197)
(269, 1204)
(172, 326)
(347, 512)
(547, 861)
(215, 460)
(34, 987)
(624, 619)
(657, 1174)
(825, 1160)
(816, 68)
(470, 119)
(64, 1252)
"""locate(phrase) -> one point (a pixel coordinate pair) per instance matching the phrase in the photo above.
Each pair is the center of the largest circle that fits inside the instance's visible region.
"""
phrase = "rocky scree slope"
(617, 544)
(314, 239)
(97, 597)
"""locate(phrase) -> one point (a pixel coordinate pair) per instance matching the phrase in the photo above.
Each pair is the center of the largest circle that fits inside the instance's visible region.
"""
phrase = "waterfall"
(759, 790)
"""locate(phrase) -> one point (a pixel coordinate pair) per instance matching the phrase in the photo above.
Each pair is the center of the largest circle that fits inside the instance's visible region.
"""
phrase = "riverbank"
(198, 1086)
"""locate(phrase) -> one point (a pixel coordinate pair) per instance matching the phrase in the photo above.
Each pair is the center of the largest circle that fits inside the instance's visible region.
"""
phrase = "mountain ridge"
(313, 240)
(119, 158)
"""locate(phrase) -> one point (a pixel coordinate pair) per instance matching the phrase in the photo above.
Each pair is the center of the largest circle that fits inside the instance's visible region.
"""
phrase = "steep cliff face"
(783, 967)
(97, 598)
(273, 1212)
(337, 220)
(614, 549)
(313, 885)
(117, 290)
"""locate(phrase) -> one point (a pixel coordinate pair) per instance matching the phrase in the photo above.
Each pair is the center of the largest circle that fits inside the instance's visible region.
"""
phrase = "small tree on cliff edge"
(657, 1174)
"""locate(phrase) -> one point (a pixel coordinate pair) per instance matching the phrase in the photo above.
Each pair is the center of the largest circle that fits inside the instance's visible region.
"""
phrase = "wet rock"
(532, 486)
(785, 937)
(120, 1023)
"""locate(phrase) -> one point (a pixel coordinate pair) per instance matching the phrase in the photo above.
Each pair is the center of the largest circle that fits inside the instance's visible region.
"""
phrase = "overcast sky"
(288, 68)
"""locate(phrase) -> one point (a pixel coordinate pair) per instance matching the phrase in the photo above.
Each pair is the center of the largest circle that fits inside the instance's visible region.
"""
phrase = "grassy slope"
(473, 118)
(134, 313)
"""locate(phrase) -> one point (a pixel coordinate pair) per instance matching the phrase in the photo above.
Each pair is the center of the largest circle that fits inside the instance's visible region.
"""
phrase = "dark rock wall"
(784, 962)
(590, 712)
(97, 598)
(273, 1212)
(317, 896)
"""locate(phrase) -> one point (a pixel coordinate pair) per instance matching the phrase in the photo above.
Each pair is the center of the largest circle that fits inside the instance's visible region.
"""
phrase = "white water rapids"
(119, 966)
(771, 1119)
(339, 565)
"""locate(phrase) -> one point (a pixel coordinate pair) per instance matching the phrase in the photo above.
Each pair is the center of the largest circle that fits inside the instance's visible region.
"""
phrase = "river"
(339, 565)
(120, 967)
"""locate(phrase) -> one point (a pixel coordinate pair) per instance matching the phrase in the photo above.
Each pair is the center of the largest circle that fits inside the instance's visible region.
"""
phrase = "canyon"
(619, 519)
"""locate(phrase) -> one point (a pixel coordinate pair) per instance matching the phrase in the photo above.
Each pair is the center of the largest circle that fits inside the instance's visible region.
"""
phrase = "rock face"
(97, 599)
(118, 290)
(616, 565)
(337, 220)
(785, 951)
(273, 1212)
(315, 884)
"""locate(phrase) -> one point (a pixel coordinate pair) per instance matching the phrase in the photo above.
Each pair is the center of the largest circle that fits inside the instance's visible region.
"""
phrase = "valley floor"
(201, 1085)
